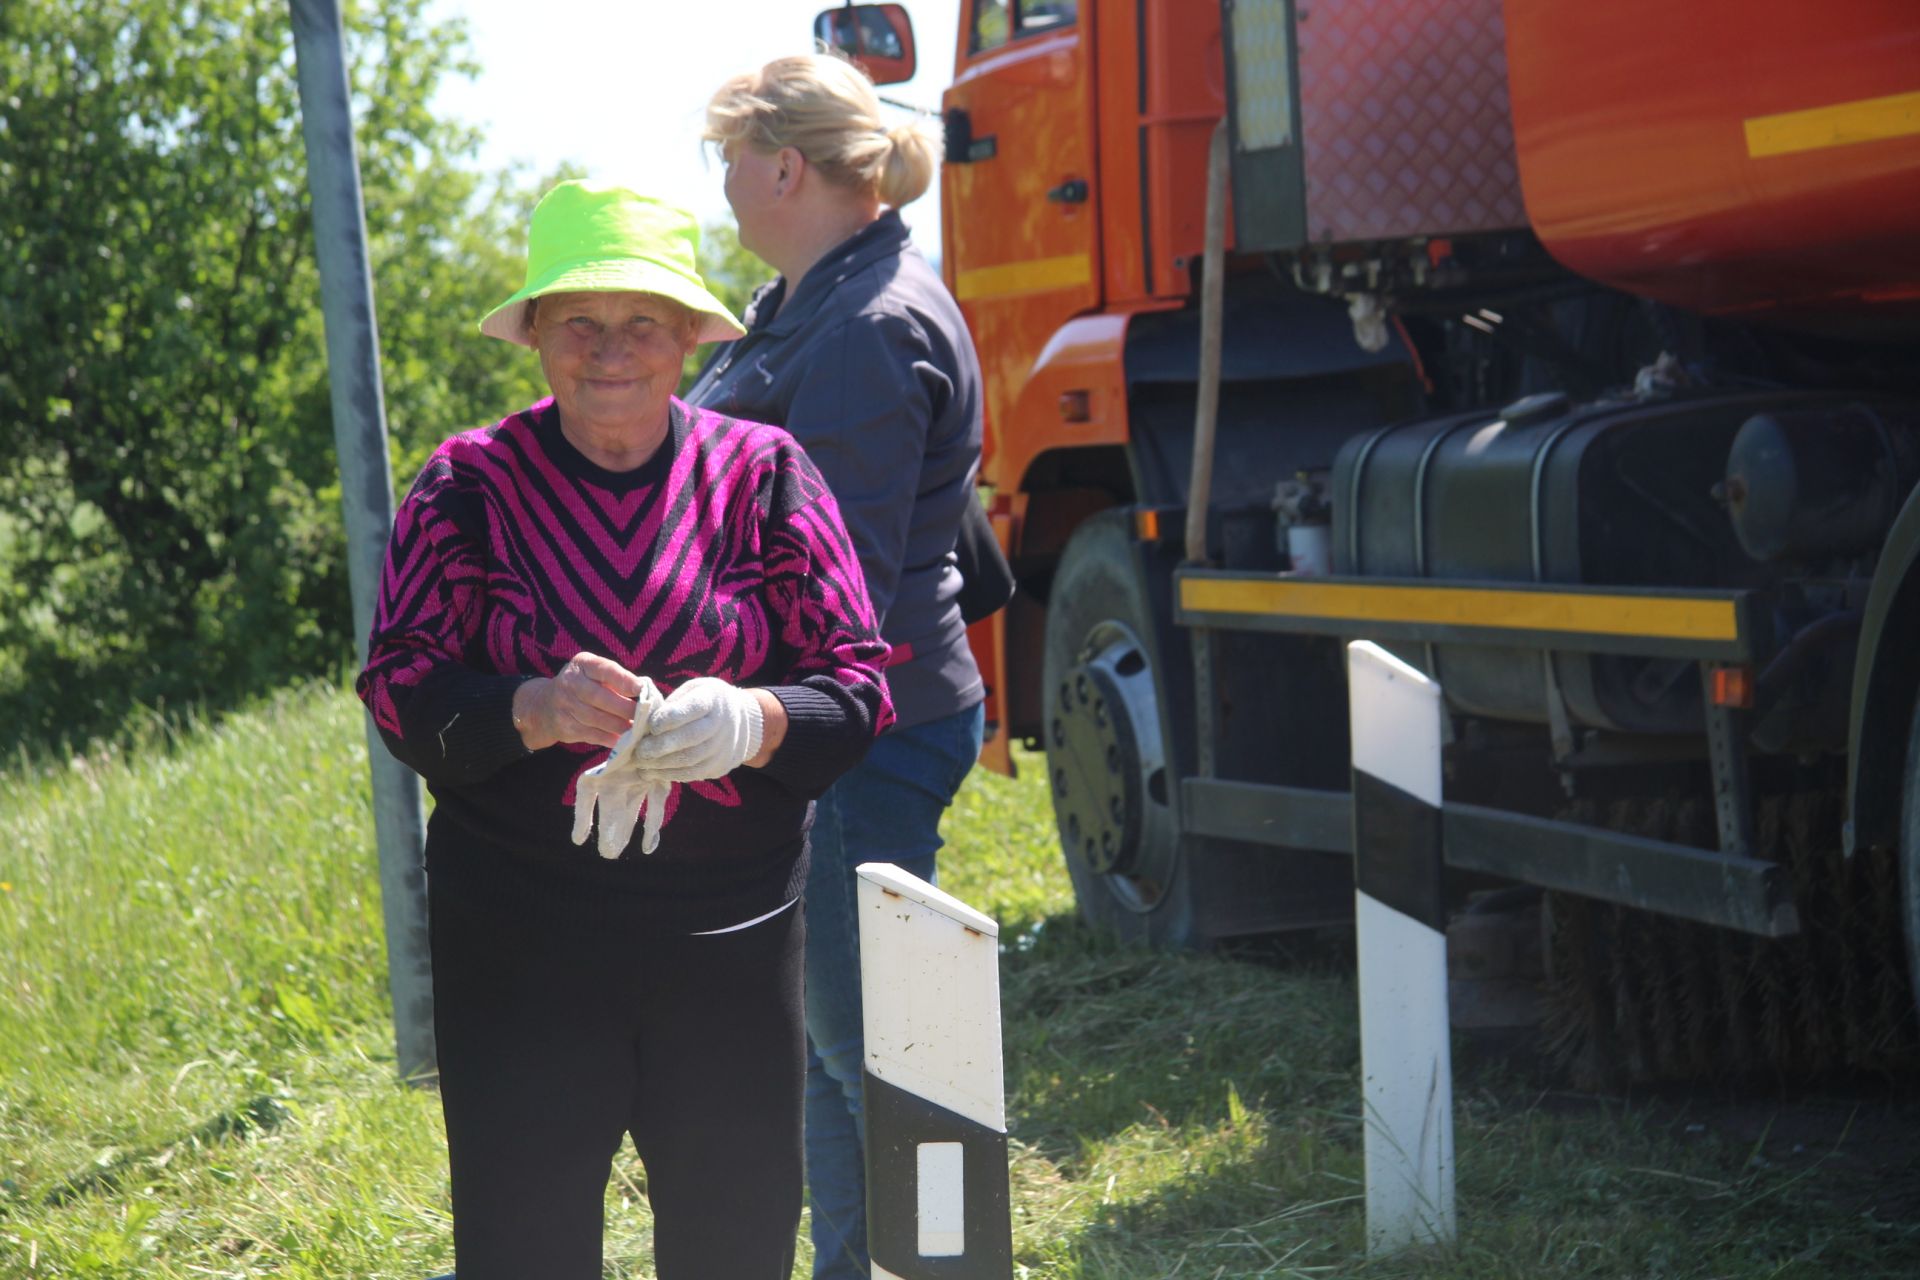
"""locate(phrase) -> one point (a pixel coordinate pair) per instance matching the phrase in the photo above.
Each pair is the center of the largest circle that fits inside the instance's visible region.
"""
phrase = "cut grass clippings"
(197, 1078)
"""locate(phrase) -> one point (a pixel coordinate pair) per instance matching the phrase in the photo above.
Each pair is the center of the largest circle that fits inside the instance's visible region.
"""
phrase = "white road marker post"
(1401, 934)
(937, 1201)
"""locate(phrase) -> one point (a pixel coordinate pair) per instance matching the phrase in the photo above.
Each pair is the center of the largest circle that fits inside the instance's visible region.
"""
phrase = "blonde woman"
(858, 350)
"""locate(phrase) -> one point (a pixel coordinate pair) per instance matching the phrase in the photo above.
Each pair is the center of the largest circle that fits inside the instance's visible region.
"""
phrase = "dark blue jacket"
(868, 364)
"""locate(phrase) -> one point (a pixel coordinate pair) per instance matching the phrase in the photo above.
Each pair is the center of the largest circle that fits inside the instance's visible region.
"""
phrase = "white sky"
(622, 88)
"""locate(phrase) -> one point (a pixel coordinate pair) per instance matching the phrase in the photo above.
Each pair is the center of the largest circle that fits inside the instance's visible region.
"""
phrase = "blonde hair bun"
(826, 108)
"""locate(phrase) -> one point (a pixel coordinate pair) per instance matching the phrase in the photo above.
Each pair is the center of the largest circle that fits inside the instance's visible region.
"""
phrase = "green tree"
(730, 269)
(171, 527)
(732, 272)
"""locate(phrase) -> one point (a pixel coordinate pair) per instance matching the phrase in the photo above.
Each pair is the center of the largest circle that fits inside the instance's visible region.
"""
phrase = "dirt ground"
(1856, 1142)
(1860, 1148)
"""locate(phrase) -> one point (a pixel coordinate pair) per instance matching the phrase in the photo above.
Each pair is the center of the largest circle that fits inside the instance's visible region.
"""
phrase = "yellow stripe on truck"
(1840, 125)
(1663, 617)
(1031, 276)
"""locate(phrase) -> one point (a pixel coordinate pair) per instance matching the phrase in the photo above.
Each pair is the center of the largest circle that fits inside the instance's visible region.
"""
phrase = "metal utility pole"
(366, 493)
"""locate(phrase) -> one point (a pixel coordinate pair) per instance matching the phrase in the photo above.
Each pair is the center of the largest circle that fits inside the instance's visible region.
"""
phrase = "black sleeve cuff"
(829, 728)
(457, 726)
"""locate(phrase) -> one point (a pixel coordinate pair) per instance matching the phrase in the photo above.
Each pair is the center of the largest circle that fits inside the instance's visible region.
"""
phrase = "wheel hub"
(1094, 769)
(1107, 760)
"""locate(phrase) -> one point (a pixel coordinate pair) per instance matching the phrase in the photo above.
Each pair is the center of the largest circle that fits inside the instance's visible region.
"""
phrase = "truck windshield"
(993, 24)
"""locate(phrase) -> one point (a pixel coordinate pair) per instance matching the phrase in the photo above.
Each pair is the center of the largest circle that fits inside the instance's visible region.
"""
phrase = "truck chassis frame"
(1727, 887)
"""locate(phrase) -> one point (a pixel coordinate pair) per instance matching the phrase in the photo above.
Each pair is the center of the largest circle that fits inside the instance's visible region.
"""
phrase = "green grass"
(196, 1073)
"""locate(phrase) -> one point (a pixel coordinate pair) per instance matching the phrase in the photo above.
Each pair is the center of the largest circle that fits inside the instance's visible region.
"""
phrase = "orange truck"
(1572, 352)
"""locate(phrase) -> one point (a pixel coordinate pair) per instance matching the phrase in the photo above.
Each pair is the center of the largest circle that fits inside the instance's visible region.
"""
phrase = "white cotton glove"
(705, 729)
(621, 789)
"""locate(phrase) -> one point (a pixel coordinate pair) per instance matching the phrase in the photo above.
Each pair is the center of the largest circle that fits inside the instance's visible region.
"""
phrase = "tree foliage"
(169, 514)
(732, 273)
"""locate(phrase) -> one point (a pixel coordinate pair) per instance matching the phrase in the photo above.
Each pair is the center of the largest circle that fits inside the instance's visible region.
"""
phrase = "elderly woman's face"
(612, 359)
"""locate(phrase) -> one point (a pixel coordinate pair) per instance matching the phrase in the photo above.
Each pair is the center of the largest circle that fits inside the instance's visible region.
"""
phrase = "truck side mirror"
(877, 37)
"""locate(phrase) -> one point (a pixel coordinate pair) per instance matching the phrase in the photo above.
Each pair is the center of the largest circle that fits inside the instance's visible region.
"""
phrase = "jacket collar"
(884, 237)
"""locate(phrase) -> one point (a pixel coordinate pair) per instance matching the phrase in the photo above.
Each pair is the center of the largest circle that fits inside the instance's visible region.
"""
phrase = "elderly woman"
(860, 352)
(545, 576)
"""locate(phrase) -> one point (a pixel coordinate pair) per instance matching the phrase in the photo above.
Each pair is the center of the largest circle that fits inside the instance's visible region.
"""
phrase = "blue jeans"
(886, 809)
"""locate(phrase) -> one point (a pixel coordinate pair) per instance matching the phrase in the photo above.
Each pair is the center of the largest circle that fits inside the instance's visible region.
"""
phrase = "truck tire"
(1110, 754)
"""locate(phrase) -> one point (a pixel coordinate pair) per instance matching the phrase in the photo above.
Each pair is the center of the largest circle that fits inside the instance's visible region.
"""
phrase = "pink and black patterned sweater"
(723, 555)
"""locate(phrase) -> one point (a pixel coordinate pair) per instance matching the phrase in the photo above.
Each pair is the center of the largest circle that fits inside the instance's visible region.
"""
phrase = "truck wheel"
(1110, 759)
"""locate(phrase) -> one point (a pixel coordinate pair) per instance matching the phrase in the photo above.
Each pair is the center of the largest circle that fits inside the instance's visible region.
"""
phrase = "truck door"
(1020, 230)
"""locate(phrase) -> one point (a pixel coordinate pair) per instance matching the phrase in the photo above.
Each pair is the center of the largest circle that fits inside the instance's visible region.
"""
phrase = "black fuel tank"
(1603, 494)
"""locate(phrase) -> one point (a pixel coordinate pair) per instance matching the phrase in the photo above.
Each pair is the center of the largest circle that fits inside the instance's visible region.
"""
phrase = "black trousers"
(558, 1034)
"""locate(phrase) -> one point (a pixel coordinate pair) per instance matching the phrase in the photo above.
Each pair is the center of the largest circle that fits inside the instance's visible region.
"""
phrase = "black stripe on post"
(897, 1123)
(1396, 850)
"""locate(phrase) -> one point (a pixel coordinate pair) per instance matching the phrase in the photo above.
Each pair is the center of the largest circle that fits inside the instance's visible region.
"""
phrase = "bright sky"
(621, 86)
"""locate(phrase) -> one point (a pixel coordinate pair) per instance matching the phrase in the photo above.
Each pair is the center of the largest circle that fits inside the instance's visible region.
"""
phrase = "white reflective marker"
(943, 1206)
(937, 1195)
(1400, 931)
(930, 990)
(1394, 714)
(1408, 1084)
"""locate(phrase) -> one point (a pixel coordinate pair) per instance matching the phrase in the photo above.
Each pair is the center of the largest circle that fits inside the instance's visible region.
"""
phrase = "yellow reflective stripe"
(1843, 124)
(1667, 617)
(1024, 277)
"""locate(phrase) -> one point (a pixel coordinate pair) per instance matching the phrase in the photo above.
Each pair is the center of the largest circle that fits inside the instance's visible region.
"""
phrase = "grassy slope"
(196, 1074)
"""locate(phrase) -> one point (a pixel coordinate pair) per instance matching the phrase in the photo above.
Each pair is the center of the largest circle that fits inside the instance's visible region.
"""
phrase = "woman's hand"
(707, 728)
(591, 700)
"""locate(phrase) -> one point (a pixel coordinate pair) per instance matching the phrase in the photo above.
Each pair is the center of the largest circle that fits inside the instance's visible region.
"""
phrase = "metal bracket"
(1727, 754)
(1559, 723)
(1204, 720)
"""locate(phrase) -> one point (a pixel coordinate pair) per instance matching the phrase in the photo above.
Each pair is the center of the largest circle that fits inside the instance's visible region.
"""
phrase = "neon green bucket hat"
(589, 238)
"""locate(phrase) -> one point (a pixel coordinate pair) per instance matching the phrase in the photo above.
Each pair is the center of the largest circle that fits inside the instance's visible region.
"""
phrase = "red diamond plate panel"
(1404, 119)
